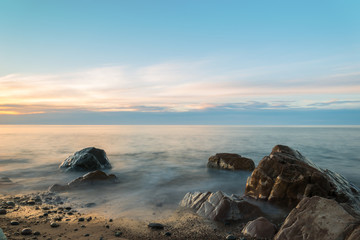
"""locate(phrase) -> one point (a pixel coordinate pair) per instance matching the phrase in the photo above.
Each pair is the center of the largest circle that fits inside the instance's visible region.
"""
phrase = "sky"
(179, 62)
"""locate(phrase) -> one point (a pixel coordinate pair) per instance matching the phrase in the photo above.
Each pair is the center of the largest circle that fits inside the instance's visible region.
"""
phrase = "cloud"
(178, 87)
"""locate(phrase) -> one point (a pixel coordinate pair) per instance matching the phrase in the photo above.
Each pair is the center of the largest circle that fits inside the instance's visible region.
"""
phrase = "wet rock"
(87, 159)
(10, 203)
(220, 207)
(14, 222)
(259, 228)
(355, 234)
(156, 226)
(316, 218)
(231, 161)
(230, 237)
(81, 219)
(54, 225)
(91, 178)
(286, 176)
(26, 231)
(90, 205)
(2, 212)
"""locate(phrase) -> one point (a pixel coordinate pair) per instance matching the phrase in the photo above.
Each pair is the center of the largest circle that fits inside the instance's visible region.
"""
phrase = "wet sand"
(31, 212)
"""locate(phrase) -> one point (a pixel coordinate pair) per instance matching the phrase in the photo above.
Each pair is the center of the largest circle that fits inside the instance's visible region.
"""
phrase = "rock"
(2, 235)
(355, 234)
(87, 159)
(91, 178)
(14, 223)
(2, 212)
(54, 225)
(94, 177)
(90, 205)
(26, 231)
(231, 161)
(168, 234)
(30, 202)
(156, 226)
(118, 234)
(81, 219)
(5, 180)
(259, 228)
(220, 207)
(316, 218)
(286, 176)
(10, 203)
(37, 233)
(230, 237)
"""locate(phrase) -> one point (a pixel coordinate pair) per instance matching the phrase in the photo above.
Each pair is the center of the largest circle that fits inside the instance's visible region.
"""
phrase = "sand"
(183, 224)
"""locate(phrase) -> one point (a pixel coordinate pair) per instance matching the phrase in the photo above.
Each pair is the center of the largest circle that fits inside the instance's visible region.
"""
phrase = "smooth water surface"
(157, 165)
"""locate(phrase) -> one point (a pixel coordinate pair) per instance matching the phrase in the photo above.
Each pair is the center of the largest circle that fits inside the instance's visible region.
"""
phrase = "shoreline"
(73, 224)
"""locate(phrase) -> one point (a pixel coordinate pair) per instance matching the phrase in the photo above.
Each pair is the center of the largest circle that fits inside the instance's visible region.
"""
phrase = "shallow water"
(157, 165)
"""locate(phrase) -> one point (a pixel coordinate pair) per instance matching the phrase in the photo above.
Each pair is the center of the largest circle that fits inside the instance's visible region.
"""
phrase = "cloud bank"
(182, 87)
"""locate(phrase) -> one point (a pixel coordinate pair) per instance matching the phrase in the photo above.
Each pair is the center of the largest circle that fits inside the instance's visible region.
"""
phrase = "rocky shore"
(318, 204)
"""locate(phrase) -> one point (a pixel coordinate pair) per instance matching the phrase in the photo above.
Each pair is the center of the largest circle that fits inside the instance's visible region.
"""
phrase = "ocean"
(157, 165)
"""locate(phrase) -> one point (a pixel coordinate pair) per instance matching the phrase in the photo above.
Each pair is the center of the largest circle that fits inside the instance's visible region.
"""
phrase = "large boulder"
(286, 177)
(91, 178)
(87, 159)
(316, 218)
(220, 207)
(231, 161)
(259, 228)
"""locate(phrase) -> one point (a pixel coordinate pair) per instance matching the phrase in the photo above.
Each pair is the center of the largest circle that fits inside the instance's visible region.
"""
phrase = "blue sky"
(188, 58)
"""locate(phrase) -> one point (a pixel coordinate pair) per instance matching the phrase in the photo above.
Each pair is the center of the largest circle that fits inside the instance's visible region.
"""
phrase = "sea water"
(157, 165)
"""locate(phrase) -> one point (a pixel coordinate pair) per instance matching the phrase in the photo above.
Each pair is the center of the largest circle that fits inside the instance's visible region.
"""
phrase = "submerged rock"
(316, 218)
(91, 178)
(286, 176)
(220, 207)
(259, 228)
(87, 159)
(231, 161)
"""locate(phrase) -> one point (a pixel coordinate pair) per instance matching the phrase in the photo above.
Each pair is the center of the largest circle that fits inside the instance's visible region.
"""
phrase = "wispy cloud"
(179, 86)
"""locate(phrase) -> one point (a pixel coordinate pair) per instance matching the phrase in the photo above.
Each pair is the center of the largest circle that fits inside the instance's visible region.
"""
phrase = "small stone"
(26, 231)
(70, 213)
(37, 233)
(230, 237)
(110, 220)
(10, 203)
(156, 226)
(107, 226)
(45, 208)
(30, 202)
(168, 234)
(83, 226)
(81, 219)
(68, 208)
(54, 225)
(86, 235)
(89, 205)
(76, 229)
(2, 211)
(89, 219)
(14, 223)
(118, 234)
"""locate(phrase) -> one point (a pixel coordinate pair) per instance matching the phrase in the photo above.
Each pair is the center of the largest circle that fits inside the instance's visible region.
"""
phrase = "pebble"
(68, 208)
(26, 231)
(83, 226)
(230, 237)
(89, 205)
(10, 203)
(110, 220)
(54, 225)
(86, 235)
(168, 234)
(118, 234)
(107, 226)
(2, 211)
(37, 233)
(13, 222)
(76, 229)
(81, 219)
(30, 202)
(89, 219)
(156, 226)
